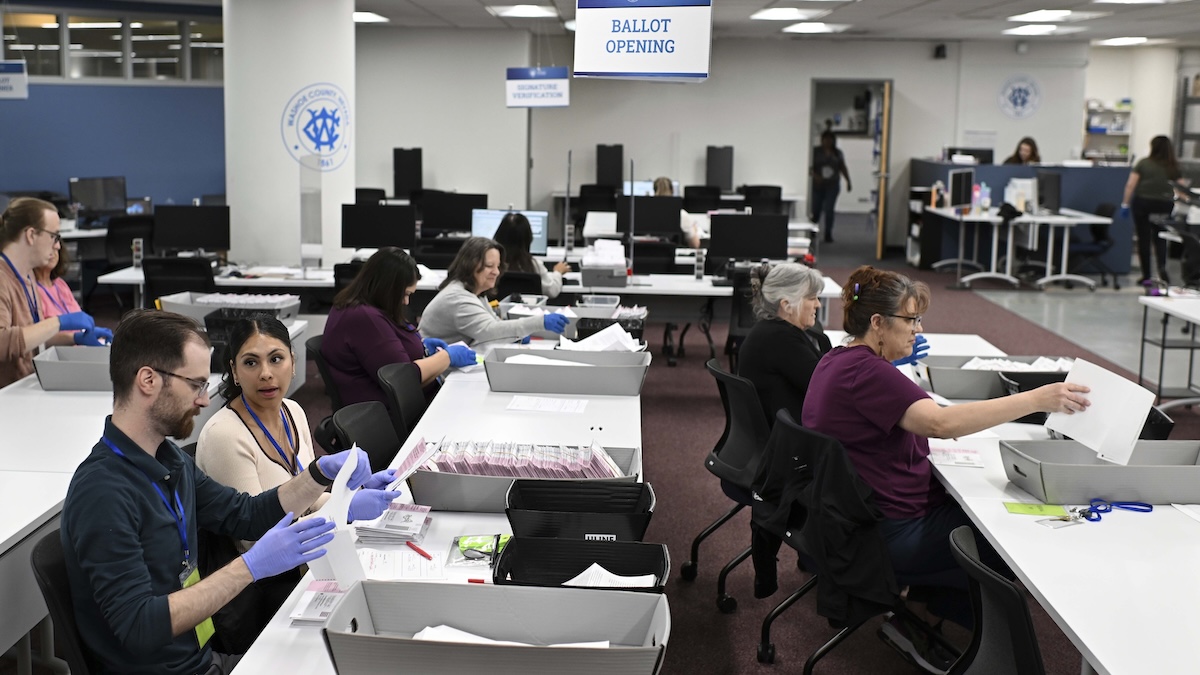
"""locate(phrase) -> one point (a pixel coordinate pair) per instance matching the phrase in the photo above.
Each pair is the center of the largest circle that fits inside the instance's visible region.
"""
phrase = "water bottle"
(699, 263)
(138, 252)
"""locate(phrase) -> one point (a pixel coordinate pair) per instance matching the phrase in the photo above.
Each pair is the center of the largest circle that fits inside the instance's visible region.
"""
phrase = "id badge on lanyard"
(187, 578)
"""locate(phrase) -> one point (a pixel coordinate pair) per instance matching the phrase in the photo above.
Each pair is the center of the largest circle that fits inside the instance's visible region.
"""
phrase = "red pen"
(418, 550)
(476, 581)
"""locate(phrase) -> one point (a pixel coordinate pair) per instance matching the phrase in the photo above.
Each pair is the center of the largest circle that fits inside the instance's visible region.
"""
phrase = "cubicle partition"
(1083, 189)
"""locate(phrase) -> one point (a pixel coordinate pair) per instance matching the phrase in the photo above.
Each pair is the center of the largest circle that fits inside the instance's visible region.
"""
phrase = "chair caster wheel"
(727, 604)
(688, 571)
(766, 653)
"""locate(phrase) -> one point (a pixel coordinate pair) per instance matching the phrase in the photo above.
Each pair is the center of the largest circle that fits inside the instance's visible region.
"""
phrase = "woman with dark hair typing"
(515, 237)
(459, 311)
(367, 330)
(884, 421)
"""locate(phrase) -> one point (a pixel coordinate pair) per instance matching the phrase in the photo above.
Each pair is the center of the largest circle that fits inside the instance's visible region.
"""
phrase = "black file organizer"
(535, 561)
(588, 327)
(566, 509)
(1157, 427)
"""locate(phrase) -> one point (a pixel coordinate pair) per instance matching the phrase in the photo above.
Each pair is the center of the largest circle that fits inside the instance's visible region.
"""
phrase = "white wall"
(1145, 74)
(442, 91)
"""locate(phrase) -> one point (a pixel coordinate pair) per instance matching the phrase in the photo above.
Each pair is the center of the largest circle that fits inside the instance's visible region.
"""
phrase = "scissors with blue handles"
(1099, 506)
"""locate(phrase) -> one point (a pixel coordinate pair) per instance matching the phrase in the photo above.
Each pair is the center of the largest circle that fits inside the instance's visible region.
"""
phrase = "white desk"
(943, 344)
(1124, 590)
(74, 233)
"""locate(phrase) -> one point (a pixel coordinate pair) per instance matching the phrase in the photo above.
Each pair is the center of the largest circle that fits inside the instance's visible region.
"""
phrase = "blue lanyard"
(293, 466)
(176, 511)
(50, 296)
(28, 298)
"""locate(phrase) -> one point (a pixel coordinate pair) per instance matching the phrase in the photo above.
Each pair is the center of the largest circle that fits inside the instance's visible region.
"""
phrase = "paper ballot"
(1111, 425)
(340, 562)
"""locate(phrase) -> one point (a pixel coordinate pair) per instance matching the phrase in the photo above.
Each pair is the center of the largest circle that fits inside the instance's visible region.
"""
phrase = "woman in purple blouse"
(367, 330)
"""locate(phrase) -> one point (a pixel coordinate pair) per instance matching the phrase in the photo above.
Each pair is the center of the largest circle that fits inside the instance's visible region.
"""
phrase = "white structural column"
(289, 104)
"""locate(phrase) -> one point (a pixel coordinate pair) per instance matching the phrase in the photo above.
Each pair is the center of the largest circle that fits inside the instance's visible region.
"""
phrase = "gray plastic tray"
(614, 374)
(185, 303)
(1067, 472)
(73, 369)
(947, 378)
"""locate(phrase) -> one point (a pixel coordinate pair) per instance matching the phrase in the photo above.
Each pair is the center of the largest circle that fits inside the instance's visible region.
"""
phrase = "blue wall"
(168, 142)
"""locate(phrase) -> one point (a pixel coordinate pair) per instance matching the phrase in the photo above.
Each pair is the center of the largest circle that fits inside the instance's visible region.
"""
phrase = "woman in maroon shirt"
(367, 330)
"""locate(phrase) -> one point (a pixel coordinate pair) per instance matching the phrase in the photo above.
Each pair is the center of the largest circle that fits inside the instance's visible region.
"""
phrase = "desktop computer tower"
(406, 171)
(719, 167)
(610, 165)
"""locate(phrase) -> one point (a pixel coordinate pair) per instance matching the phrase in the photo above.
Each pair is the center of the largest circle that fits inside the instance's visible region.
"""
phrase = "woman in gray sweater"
(460, 312)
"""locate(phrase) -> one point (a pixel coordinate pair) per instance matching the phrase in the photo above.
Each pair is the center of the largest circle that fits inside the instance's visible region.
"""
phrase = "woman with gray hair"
(782, 350)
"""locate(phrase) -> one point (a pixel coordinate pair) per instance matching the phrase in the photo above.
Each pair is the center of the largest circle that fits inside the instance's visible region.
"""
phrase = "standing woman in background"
(1148, 192)
(516, 236)
(828, 169)
(1026, 152)
(29, 238)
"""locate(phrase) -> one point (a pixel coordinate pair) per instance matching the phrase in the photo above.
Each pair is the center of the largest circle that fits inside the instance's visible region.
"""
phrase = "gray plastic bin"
(612, 373)
(73, 369)
(947, 378)
(1067, 472)
(371, 630)
(185, 303)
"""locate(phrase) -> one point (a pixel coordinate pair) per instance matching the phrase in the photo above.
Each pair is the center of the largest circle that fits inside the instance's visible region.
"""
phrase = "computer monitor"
(377, 225)
(718, 167)
(962, 181)
(645, 188)
(652, 215)
(485, 221)
(1049, 191)
(448, 211)
(190, 228)
(98, 197)
(142, 206)
(981, 155)
(748, 237)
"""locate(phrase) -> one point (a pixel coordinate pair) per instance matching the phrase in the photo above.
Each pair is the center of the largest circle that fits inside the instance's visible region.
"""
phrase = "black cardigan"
(779, 359)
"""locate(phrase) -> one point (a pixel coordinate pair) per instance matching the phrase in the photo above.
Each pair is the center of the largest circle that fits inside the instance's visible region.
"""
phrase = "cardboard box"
(371, 630)
(488, 494)
(73, 369)
(1067, 472)
(185, 303)
(947, 378)
(613, 374)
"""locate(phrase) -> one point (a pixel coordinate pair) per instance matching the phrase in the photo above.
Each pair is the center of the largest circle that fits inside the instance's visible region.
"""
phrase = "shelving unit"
(1187, 121)
(1106, 133)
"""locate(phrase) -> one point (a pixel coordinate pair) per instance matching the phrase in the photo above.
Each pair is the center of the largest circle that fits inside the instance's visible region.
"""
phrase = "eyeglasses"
(913, 320)
(199, 387)
(56, 236)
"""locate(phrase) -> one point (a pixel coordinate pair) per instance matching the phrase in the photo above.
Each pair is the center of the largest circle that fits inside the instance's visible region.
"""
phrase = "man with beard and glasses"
(130, 520)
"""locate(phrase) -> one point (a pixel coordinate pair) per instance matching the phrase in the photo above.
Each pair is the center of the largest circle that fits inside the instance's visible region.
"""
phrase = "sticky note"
(1023, 509)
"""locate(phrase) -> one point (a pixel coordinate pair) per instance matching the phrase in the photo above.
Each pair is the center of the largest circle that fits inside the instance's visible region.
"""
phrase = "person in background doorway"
(516, 236)
(828, 168)
(1148, 193)
(1026, 153)
(693, 227)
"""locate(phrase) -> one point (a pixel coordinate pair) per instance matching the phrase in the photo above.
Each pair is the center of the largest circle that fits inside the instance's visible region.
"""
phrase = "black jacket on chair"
(809, 495)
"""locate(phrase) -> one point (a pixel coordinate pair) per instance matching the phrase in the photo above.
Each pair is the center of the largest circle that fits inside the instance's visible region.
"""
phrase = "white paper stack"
(605, 252)
(398, 524)
(614, 338)
(316, 603)
(524, 460)
(530, 310)
(227, 299)
(598, 577)
(1043, 364)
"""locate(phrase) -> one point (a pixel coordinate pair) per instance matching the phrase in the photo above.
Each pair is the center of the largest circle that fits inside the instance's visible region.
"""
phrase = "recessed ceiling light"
(524, 11)
(787, 14)
(1032, 29)
(1121, 42)
(93, 24)
(1137, 2)
(1048, 15)
(810, 27)
(569, 25)
(369, 17)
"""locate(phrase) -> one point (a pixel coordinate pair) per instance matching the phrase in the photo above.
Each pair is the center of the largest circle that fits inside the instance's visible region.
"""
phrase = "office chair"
(735, 460)
(813, 500)
(653, 257)
(1004, 641)
(701, 198)
(368, 425)
(521, 283)
(437, 254)
(369, 195)
(764, 199)
(165, 276)
(344, 274)
(741, 315)
(406, 398)
(313, 347)
(50, 571)
(1083, 254)
(118, 246)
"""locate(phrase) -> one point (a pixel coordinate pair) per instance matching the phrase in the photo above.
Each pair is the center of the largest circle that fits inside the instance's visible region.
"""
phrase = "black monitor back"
(406, 171)
(98, 196)
(377, 225)
(719, 167)
(652, 215)
(749, 237)
(610, 160)
(1049, 190)
(187, 228)
(448, 211)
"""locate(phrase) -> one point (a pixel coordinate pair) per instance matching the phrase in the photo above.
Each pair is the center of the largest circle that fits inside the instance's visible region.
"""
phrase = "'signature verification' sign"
(643, 39)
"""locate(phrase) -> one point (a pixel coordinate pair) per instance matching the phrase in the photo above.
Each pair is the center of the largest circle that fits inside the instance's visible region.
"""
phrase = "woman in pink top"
(56, 296)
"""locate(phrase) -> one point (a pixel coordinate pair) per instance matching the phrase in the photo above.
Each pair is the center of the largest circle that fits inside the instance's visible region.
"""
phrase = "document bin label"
(537, 87)
(643, 39)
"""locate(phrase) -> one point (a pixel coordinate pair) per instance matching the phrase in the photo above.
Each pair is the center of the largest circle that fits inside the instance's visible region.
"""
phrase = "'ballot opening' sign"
(643, 39)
